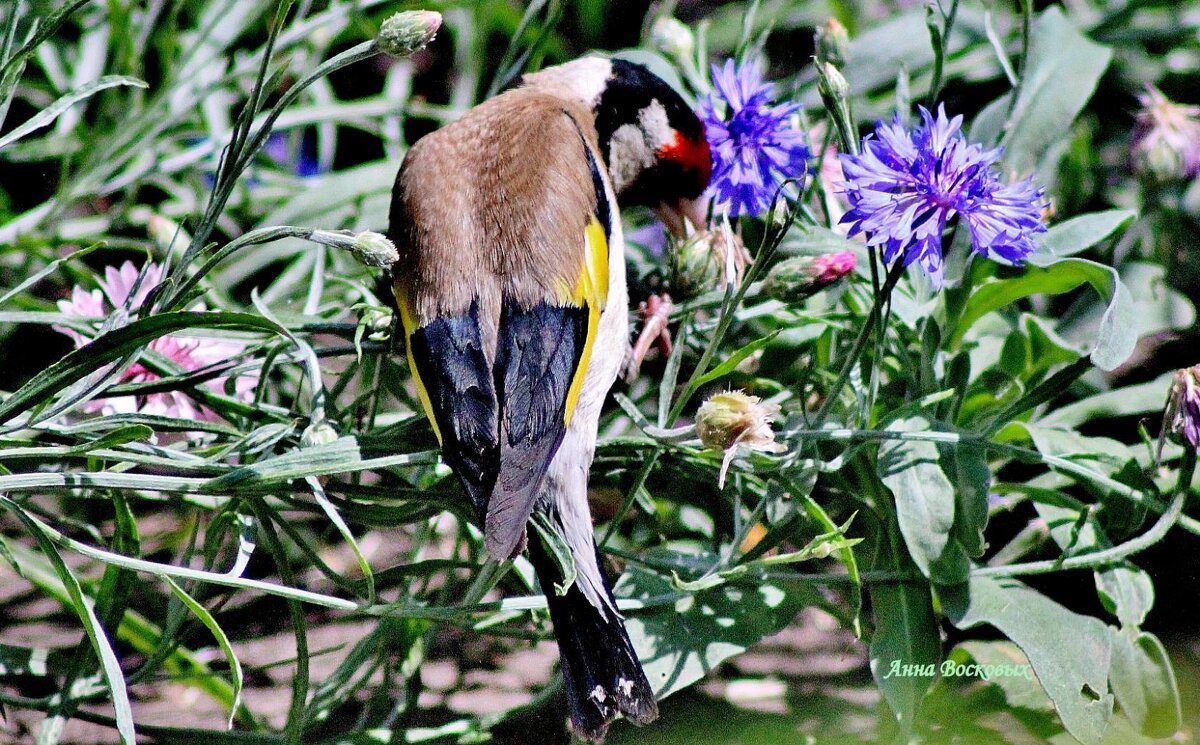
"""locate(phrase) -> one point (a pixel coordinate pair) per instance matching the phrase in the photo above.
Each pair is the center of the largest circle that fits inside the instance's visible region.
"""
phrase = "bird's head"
(651, 140)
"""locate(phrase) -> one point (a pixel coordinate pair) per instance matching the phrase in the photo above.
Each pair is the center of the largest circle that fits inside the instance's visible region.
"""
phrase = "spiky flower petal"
(1185, 405)
(907, 184)
(755, 144)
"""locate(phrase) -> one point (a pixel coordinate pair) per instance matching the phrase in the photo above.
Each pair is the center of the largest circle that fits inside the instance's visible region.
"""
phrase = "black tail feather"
(600, 668)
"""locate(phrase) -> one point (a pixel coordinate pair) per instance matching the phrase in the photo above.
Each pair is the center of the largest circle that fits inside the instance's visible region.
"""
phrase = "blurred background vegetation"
(392, 633)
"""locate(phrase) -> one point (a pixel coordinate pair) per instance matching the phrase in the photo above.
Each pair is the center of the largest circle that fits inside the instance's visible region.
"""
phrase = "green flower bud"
(374, 249)
(795, 279)
(704, 262)
(831, 84)
(727, 420)
(371, 248)
(408, 31)
(673, 38)
(695, 267)
(832, 43)
(318, 432)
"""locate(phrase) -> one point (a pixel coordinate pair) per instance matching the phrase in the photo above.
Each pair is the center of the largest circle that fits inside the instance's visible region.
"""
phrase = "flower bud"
(795, 279)
(727, 420)
(707, 260)
(408, 31)
(831, 84)
(318, 432)
(832, 43)
(1184, 405)
(1165, 142)
(371, 248)
(374, 249)
(695, 268)
(673, 38)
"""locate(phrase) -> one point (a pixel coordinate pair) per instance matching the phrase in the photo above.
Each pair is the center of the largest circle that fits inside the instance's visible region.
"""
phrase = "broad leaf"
(1070, 653)
(1063, 70)
(1116, 333)
(905, 648)
(925, 502)
(681, 643)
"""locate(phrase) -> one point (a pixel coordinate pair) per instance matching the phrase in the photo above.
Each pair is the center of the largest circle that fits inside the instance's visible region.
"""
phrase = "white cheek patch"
(633, 146)
(628, 156)
(653, 120)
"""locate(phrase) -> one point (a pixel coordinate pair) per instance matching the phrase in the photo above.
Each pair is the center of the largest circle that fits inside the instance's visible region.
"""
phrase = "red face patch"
(691, 155)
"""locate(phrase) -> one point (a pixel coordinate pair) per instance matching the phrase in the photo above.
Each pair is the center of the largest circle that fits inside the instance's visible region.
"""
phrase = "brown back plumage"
(495, 203)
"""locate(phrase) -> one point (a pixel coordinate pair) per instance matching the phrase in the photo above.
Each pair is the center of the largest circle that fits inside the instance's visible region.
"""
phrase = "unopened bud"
(371, 248)
(727, 420)
(695, 267)
(795, 279)
(832, 43)
(831, 84)
(408, 31)
(374, 249)
(318, 432)
(673, 38)
(707, 260)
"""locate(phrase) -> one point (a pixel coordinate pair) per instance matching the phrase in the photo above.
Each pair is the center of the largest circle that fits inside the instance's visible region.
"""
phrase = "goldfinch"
(511, 290)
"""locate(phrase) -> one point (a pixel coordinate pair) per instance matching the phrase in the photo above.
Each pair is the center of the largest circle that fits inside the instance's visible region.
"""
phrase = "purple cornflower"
(1185, 405)
(755, 146)
(907, 184)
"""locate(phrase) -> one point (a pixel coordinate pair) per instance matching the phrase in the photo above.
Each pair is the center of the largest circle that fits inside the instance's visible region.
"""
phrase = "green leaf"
(214, 628)
(1127, 592)
(1081, 233)
(1116, 335)
(1143, 682)
(340, 456)
(560, 552)
(973, 478)
(54, 110)
(1019, 692)
(1131, 400)
(1061, 74)
(85, 609)
(925, 502)
(114, 345)
(681, 643)
(905, 648)
(1070, 653)
(735, 359)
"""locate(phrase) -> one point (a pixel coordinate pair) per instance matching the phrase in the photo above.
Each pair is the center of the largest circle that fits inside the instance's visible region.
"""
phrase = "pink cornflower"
(189, 353)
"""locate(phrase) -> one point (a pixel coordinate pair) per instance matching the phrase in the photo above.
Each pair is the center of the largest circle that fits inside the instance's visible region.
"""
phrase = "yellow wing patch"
(591, 291)
(408, 320)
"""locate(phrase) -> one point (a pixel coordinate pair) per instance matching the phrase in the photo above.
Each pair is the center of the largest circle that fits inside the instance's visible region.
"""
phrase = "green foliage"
(919, 427)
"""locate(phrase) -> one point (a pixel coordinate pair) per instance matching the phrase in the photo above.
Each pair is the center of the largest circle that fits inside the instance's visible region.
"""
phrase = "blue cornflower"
(755, 146)
(907, 184)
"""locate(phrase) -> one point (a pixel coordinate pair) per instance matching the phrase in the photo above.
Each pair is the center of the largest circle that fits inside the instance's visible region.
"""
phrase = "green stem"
(1116, 553)
(942, 42)
(860, 342)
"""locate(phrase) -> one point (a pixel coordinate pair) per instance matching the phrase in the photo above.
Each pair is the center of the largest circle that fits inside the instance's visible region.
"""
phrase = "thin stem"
(1116, 553)
(940, 47)
(860, 343)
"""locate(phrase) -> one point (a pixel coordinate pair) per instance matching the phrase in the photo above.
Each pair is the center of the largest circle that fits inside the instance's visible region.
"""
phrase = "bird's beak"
(683, 216)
